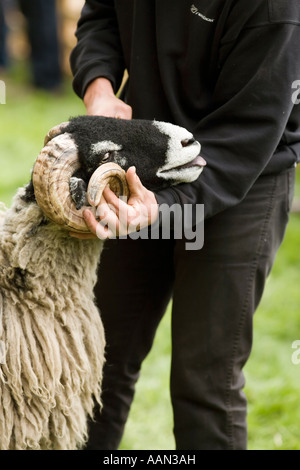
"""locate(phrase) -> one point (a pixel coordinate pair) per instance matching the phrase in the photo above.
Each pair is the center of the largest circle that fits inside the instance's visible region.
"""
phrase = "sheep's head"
(83, 155)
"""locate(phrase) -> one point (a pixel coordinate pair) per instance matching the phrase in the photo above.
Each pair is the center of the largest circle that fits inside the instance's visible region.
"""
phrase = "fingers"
(134, 183)
(117, 217)
(122, 111)
(101, 228)
(109, 107)
(106, 224)
(97, 229)
(100, 99)
(82, 236)
(90, 221)
(120, 206)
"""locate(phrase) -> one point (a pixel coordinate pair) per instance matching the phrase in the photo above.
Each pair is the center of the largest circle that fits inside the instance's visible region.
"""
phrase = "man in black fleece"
(227, 70)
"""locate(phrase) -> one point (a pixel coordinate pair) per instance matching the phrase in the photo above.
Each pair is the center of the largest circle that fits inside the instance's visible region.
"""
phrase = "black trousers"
(215, 292)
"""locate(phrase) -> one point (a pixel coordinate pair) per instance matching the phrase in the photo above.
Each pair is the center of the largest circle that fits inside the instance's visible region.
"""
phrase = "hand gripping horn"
(52, 171)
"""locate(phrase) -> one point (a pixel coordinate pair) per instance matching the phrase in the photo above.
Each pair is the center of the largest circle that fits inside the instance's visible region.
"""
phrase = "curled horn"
(52, 171)
(57, 130)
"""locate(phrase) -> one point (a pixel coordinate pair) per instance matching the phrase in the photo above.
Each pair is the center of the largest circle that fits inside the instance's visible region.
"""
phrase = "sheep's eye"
(106, 157)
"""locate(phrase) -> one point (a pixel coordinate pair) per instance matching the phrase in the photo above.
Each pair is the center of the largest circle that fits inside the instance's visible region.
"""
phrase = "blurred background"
(36, 37)
(41, 33)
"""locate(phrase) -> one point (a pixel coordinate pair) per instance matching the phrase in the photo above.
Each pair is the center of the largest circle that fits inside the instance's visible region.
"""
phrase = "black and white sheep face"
(183, 161)
(163, 154)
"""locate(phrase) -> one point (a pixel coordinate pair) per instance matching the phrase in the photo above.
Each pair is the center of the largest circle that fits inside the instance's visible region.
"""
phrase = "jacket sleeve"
(98, 52)
(253, 123)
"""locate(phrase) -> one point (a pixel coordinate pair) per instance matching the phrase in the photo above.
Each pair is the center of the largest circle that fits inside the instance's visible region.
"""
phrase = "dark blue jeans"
(43, 37)
(215, 293)
(3, 54)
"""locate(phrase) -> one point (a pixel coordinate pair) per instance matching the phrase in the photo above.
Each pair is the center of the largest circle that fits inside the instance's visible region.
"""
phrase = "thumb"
(134, 182)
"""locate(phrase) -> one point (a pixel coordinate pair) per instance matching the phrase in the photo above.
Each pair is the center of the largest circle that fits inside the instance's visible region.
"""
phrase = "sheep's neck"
(36, 251)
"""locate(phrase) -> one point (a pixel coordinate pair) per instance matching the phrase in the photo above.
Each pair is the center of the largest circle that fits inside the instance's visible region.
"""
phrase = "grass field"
(273, 380)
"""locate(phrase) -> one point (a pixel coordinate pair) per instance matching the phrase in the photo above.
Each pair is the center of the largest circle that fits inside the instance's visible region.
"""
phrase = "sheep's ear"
(28, 195)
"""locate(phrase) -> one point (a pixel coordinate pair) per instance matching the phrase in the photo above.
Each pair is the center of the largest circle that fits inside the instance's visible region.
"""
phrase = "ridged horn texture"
(56, 130)
(52, 171)
(108, 173)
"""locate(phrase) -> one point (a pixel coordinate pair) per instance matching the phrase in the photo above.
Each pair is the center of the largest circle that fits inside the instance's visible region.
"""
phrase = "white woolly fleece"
(52, 332)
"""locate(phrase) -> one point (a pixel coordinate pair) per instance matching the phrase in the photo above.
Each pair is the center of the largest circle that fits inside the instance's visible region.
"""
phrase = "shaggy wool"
(52, 331)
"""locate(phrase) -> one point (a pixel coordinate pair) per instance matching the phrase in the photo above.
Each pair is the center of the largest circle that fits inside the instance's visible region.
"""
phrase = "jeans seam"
(254, 266)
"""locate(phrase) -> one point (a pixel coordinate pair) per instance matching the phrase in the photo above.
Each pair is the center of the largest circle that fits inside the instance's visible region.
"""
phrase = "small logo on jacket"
(195, 11)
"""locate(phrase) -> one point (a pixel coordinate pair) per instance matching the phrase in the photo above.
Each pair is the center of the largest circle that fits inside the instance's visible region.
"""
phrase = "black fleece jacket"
(227, 70)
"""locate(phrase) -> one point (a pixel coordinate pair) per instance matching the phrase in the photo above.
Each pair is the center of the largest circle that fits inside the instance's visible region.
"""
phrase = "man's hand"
(117, 217)
(100, 100)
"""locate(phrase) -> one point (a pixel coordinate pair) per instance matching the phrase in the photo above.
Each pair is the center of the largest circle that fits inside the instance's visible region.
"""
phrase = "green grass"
(273, 381)
(24, 121)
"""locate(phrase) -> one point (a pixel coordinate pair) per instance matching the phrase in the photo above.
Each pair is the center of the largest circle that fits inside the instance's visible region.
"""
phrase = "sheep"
(49, 323)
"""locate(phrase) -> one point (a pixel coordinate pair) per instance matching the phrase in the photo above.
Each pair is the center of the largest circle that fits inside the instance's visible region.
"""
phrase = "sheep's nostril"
(187, 142)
